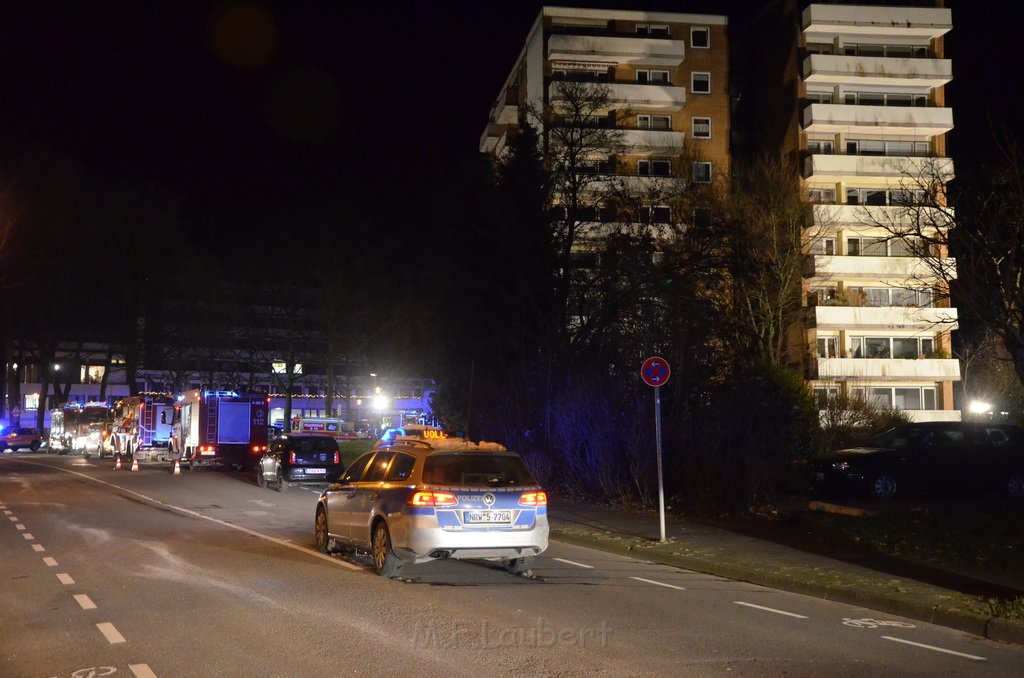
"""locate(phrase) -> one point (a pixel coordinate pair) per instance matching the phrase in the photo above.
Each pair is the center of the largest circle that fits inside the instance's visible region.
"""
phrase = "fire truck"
(219, 429)
(80, 428)
(142, 428)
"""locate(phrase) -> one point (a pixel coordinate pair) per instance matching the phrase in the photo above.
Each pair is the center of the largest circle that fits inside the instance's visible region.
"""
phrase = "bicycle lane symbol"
(869, 623)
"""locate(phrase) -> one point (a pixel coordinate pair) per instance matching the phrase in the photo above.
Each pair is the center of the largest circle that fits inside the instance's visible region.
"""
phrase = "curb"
(986, 626)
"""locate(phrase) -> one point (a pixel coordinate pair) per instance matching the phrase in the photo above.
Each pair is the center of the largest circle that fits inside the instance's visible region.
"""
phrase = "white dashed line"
(13, 519)
(937, 649)
(110, 633)
(38, 548)
(65, 578)
(6, 512)
(658, 583)
(50, 562)
(573, 562)
(85, 602)
(770, 609)
(28, 536)
(19, 526)
(142, 671)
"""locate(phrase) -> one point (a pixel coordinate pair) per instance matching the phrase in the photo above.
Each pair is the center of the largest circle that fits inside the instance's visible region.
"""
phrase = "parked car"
(411, 501)
(21, 438)
(929, 458)
(299, 457)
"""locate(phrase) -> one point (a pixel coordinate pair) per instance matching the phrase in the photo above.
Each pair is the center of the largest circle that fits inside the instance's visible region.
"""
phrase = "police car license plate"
(486, 517)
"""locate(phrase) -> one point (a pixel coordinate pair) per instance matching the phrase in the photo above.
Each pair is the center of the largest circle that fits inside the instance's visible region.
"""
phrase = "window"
(375, 471)
(654, 122)
(819, 47)
(656, 214)
(657, 168)
(401, 468)
(355, 471)
(819, 97)
(653, 30)
(866, 247)
(828, 347)
(702, 172)
(700, 83)
(823, 246)
(701, 128)
(825, 196)
(700, 37)
(892, 347)
(825, 146)
(659, 77)
(823, 295)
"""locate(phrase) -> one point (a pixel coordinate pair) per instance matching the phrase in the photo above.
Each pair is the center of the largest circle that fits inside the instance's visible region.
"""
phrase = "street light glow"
(979, 407)
(380, 402)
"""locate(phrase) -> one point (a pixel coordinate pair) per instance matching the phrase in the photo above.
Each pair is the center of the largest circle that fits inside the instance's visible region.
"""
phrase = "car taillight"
(533, 499)
(207, 448)
(432, 499)
(256, 449)
(337, 458)
(291, 457)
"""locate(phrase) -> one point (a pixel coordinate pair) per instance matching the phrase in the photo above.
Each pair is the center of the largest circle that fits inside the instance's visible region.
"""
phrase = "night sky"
(248, 110)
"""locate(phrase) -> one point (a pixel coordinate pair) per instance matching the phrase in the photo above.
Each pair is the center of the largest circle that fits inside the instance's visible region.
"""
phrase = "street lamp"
(979, 408)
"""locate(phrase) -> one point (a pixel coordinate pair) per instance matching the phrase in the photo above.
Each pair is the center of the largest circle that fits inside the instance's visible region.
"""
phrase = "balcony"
(615, 50)
(662, 142)
(874, 268)
(883, 318)
(851, 119)
(898, 170)
(840, 216)
(925, 23)
(882, 71)
(637, 95)
(887, 369)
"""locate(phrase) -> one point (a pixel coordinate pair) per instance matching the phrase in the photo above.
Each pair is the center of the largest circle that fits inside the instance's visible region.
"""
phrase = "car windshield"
(900, 437)
(313, 445)
(493, 470)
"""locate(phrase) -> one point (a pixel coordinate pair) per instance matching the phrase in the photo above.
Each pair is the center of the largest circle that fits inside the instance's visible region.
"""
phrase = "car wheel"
(1015, 486)
(519, 565)
(34, 445)
(279, 483)
(320, 531)
(883, 487)
(385, 562)
(260, 480)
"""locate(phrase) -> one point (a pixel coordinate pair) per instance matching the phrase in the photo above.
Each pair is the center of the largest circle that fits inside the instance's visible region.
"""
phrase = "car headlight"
(841, 466)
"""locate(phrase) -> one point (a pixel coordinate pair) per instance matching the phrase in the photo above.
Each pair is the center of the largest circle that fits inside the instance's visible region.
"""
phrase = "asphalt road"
(118, 573)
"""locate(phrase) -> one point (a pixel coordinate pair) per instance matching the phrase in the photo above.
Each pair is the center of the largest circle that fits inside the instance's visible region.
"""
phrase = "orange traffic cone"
(135, 464)
(177, 468)
(117, 463)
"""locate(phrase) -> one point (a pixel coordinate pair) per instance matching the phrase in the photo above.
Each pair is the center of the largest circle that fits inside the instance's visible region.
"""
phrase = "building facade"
(871, 140)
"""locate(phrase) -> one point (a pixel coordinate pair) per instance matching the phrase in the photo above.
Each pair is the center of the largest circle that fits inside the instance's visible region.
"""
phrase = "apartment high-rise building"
(664, 79)
(869, 134)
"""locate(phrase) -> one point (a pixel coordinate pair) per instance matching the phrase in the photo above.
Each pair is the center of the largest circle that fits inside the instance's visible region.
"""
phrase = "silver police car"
(411, 501)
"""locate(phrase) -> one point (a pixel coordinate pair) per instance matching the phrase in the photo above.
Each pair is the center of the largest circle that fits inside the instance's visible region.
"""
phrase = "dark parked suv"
(929, 458)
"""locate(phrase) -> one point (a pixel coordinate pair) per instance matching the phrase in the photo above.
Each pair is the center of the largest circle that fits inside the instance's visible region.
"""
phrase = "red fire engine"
(219, 428)
(142, 428)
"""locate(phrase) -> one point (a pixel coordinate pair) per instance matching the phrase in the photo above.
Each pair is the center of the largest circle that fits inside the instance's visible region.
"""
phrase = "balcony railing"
(885, 318)
(635, 49)
(882, 71)
(918, 22)
(651, 96)
(855, 119)
(874, 268)
(886, 369)
(898, 170)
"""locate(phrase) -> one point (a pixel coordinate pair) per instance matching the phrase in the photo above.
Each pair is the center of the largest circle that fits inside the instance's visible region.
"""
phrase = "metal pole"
(657, 435)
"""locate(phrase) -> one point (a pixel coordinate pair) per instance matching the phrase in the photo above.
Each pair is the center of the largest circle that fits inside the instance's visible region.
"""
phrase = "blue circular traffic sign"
(655, 371)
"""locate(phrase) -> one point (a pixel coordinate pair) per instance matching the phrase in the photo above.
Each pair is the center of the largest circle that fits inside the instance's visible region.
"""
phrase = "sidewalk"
(712, 550)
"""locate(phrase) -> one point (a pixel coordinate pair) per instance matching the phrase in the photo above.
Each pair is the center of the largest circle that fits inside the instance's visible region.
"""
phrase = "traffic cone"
(117, 463)
(177, 468)
(135, 464)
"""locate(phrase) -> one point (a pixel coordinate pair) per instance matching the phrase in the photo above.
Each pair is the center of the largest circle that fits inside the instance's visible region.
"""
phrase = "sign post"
(655, 372)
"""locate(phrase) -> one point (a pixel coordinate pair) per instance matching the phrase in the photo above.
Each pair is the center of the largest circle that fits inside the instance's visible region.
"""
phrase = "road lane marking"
(38, 548)
(142, 671)
(85, 602)
(8, 513)
(659, 583)
(19, 526)
(110, 633)
(195, 514)
(65, 578)
(573, 562)
(770, 609)
(937, 649)
(28, 536)
(50, 562)
(13, 519)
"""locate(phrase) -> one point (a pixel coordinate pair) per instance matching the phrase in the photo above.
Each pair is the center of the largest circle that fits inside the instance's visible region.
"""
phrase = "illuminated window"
(700, 37)
(701, 128)
(700, 83)
(660, 77)
(31, 401)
